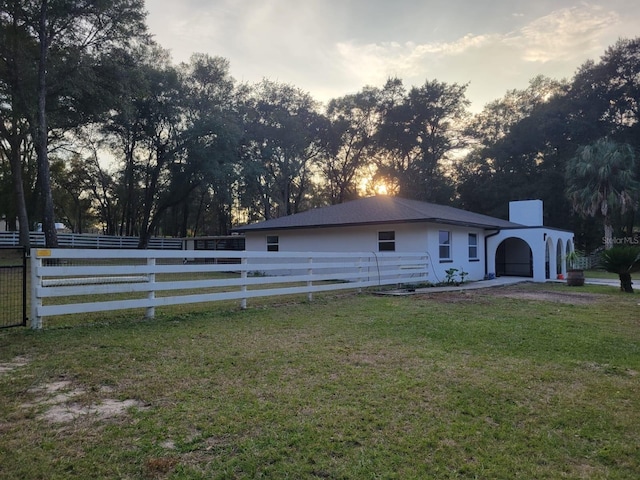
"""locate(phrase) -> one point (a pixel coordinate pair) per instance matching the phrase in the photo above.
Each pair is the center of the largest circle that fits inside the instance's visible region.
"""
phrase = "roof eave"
(484, 226)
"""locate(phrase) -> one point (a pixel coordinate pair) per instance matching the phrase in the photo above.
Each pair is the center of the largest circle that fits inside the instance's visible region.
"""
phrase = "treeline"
(101, 130)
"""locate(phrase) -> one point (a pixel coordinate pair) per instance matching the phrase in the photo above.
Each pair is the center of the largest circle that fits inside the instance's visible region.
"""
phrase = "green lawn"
(529, 382)
(600, 274)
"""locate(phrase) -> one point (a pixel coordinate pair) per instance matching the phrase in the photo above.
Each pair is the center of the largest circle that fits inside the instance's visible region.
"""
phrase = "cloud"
(565, 34)
(332, 47)
(456, 47)
(551, 44)
(379, 61)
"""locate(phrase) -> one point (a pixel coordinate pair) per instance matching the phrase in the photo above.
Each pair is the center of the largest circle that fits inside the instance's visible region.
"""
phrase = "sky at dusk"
(331, 48)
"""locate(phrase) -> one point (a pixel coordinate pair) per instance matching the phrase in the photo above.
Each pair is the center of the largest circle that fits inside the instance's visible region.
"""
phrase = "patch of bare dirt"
(470, 296)
(159, 467)
(557, 296)
(61, 396)
(61, 399)
(518, 292)
(107, 408)
(15, 363)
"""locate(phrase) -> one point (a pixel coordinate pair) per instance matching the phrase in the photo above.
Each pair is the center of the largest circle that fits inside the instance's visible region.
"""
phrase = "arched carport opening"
(528, 252)
(553, 258)
(568, 251)
(559, 256)
(514, 258)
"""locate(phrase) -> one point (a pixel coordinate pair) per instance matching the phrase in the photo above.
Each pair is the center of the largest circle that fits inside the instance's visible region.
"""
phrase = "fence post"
(310, 282)
(25, 253)
(360, 278)
(36, 280)
(151, 311)
(243, 287)
(425, 274)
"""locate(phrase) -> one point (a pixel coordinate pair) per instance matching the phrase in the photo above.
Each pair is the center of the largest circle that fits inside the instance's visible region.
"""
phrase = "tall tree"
(283, 137)
(101, 188)
(66, 32)
(174, 129)
(512, 142)
(210, 141)
(18, 56)
(124, 132)
(354, 122)
(497, 118)
(418, 136)
(71, 191)
(605, 98)
(144, 129)
(160, 162)
(601, 182)
(606, 94)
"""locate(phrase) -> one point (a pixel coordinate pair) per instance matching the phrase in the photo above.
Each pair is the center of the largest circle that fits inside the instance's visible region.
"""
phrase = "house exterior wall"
(540, 253)
(542, 242)
(409, 237)
(526, 212)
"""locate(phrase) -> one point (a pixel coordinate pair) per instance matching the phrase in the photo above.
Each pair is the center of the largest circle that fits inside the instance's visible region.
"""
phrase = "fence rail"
(106, 279)
(82, 240)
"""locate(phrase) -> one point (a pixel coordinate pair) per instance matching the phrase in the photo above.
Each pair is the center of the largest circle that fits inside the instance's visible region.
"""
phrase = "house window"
(473, 246)
(387, 241)
(272, 243)
(445, 245)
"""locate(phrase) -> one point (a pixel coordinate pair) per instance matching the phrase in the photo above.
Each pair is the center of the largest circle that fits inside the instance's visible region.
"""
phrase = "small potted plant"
(575, 275)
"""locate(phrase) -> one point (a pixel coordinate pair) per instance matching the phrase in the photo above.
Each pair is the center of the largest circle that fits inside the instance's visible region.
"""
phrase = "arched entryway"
(559, 256)
(514, 258)
(568, 250)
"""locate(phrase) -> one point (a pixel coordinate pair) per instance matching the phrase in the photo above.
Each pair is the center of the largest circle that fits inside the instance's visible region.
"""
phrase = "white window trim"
(476, 256)
(448, 245)
(271, 244)
(387, 242)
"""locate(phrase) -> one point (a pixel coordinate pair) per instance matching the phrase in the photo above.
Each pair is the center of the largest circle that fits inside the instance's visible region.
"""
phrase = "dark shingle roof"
(379, 210)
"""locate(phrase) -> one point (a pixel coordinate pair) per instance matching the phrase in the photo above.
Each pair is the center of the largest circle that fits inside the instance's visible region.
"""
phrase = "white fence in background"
(83, 240)
(62, 278)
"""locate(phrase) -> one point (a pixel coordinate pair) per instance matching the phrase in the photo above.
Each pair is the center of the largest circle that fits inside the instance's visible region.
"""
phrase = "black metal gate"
(13, 287)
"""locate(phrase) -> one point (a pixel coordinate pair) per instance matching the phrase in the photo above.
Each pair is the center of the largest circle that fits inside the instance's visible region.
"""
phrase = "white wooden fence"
(107, 279)
(84, 240)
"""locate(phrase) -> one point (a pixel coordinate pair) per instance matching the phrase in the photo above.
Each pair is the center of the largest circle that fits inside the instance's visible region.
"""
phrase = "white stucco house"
(478, 244)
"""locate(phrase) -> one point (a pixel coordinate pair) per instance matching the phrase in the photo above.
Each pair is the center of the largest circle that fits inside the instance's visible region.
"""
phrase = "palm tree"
(623, 260)
(601, 180)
